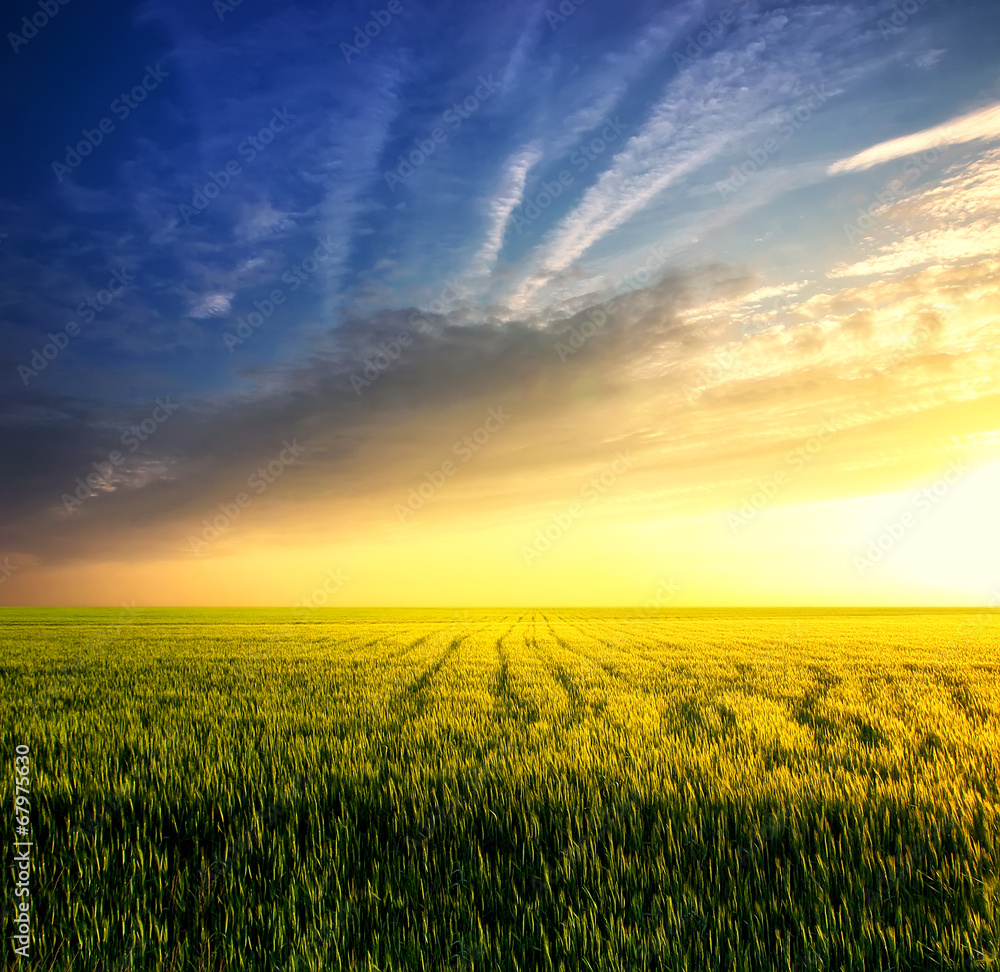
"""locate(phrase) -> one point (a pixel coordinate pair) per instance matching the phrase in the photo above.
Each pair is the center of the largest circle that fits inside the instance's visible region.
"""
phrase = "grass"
(505, 790)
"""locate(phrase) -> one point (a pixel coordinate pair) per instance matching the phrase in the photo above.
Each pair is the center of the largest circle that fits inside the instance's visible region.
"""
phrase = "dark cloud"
(396, 385)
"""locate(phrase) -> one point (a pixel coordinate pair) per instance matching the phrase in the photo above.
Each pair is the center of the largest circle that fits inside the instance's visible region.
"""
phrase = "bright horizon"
(697, 306)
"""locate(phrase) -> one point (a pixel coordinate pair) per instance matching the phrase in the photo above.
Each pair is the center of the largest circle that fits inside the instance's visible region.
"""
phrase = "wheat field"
(507, 789)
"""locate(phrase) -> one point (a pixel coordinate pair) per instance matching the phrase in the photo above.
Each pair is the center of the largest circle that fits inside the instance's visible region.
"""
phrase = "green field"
(501, 790)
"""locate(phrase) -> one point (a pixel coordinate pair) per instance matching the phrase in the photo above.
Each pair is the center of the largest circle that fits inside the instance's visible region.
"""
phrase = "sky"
(430, 303)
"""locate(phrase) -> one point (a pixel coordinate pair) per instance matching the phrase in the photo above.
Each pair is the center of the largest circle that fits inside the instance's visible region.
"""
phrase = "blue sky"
(495, 169)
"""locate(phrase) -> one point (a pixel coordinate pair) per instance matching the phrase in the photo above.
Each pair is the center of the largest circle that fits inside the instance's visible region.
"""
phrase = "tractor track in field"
(508, 703)
(608, 668)
(576, 704)
(412, 692)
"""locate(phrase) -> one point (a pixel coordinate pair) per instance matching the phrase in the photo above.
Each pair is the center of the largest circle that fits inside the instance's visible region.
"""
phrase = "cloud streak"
(981, 125)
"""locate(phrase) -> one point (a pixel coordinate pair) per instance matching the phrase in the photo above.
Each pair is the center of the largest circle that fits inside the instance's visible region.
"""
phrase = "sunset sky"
(439, 303)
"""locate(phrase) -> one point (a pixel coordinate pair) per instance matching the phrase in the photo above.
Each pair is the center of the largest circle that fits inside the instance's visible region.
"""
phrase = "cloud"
(260, 220)
(630, 383)
(949, 223)
(211, 305)
(981, 125)
(725, 98)
(928, 59)
(506, 199)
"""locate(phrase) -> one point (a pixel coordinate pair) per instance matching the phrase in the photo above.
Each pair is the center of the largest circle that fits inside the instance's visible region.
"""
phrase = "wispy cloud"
(946, 224)
(981, 125)
(211, 305)
(506, 199)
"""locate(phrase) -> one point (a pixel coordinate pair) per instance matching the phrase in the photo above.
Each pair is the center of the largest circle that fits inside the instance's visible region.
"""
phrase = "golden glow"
(838, 408)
